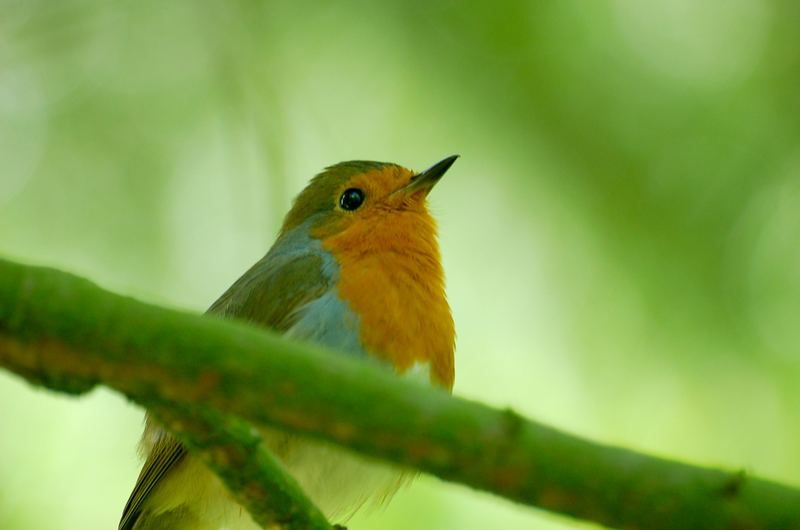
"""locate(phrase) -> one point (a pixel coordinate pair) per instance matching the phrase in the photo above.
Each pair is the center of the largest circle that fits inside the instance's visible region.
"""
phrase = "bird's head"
(351, 200)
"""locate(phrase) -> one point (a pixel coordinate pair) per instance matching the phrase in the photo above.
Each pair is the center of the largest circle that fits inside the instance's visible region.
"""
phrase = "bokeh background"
(621, 235)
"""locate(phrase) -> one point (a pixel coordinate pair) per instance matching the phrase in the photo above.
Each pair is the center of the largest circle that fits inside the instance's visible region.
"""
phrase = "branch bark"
(68, 334)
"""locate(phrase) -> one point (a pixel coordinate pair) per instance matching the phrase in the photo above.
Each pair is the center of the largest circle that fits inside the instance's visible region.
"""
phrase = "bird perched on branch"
(355, 268)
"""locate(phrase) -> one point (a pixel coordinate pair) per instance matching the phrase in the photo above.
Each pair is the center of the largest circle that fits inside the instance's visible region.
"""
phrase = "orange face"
(358, 191)
(375, 196)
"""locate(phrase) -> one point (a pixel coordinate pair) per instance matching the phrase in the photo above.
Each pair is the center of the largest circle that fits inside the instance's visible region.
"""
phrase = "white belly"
(338, 481)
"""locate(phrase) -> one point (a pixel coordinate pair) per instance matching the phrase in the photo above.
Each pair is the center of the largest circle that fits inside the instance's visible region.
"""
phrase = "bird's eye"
(351, 199)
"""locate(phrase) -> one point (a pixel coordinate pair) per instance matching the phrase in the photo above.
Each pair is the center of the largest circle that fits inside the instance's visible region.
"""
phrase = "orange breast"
(391, 275)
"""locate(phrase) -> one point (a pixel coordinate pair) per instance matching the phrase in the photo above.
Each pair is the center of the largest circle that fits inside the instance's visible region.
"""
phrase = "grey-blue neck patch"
(328, 320)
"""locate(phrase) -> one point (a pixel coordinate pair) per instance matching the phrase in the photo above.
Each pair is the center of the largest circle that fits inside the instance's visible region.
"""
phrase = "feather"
(166, 452)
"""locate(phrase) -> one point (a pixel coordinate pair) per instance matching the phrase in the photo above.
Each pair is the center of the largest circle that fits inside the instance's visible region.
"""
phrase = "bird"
(355, 268)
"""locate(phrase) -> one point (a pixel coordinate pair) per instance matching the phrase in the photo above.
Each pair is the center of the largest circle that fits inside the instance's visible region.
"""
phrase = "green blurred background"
(621, 235)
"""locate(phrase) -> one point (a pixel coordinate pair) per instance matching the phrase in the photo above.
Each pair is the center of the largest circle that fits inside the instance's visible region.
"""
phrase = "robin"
(355, 268)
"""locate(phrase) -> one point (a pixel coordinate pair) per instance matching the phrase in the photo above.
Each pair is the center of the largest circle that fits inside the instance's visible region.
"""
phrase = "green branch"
(68, 334)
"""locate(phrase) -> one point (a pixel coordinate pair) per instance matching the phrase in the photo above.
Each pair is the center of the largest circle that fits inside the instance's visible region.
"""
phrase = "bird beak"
(426, 180)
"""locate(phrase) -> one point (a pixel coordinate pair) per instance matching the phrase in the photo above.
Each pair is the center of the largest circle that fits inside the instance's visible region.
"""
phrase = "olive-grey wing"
(269, 294)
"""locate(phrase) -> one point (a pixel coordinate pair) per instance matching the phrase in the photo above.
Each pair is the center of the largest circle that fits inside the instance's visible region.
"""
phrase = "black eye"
(351, 199)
